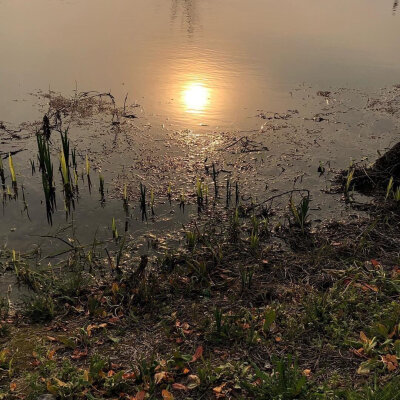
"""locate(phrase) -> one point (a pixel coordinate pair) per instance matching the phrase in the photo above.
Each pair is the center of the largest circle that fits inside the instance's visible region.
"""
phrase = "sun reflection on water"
(195, 97)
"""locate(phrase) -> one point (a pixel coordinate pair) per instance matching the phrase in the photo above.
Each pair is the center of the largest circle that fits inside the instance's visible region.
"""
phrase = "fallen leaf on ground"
(167, 395)
(76, 355)
(390, 361)
(194, 381)
(197, 354)
(179, 386)
(159, 377)
(129, 375)
(218, 389)
(141, 395)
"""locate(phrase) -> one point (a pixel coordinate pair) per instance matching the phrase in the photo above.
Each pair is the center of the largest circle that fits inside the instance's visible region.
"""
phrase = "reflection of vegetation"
(189, 13)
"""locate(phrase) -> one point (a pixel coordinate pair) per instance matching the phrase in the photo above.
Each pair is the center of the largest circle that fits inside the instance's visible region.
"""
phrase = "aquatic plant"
(214, 177)
(74, 163)
(349, 180)
(191, 239)
(46, 127)
(300, 212)
(65, 173)
(152, 201)
(182, 199)
(143, 206)
(228, 193)
(2, 177)
(114, 229)
(246, 277)
(33, 168)
(396, 194)
(88, 172)
(12, 170)
(46, 167)
(389, 188)
(199, 194)
(125, 194)
(64, 169)
(101, 187)
(254, 222)
(254, 240)
(65, 147)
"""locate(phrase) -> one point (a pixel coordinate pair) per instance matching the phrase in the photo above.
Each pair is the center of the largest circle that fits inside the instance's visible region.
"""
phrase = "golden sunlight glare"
(195, 97)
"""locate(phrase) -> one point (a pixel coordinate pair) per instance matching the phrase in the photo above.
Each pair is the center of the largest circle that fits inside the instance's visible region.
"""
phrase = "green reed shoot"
(255, 223)
(300, 212)
(246, 277)
(101, 187)
(143, 206)
(2, 176)
(33, 168)
(389, 188)
(349, 180)
(87, 166)
(214, 176)
(396, 194)
(126, 204)
(191, 239)
(76, 180)
(74, 163)
(125, 194)
(46, 167)
(88, 172)
(64, 169)
(182, 200)
(254, 240)
(12, 170)
(199, 194)
(65, 146)
(114, 229)
(65, 173)
(228, 192)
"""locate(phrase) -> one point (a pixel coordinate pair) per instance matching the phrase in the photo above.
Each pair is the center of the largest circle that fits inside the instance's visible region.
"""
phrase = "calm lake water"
(191, 62)
(207, 74)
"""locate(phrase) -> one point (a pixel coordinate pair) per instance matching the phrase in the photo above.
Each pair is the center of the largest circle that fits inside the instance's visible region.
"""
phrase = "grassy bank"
(247, 309)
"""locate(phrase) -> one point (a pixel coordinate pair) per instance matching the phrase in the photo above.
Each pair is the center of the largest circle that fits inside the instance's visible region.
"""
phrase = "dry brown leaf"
(179, 386)
(167, 395)
(218, 389)
(194, 381)
(197, 354)
(159, 377)
(77, 355)
(129, 375)
(141, 395)
(363, 337)
(390, 361)
(50, 354)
